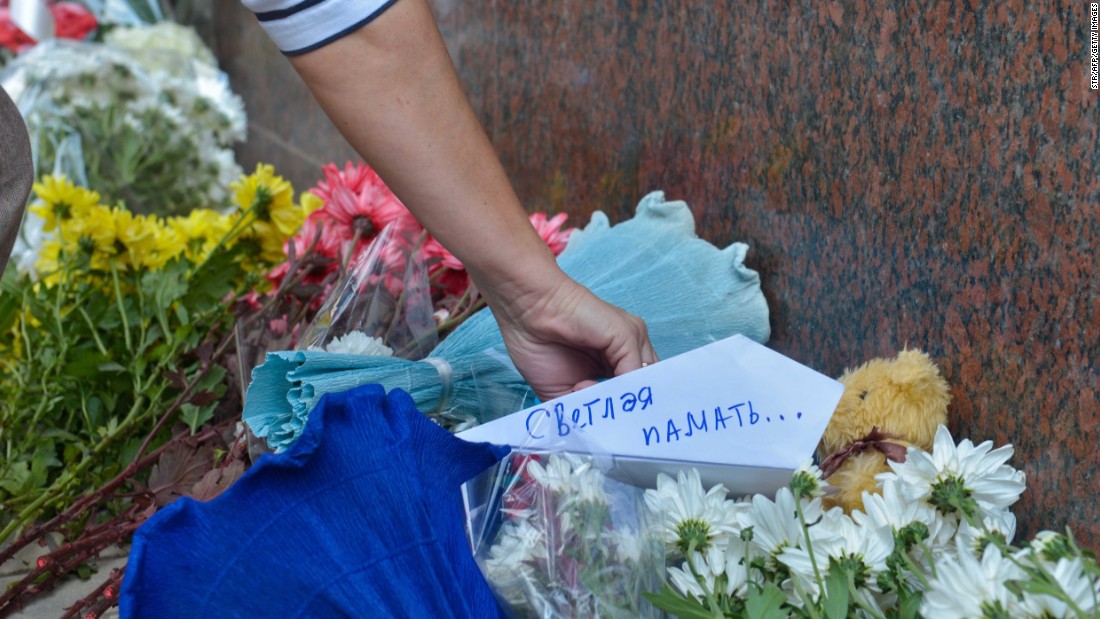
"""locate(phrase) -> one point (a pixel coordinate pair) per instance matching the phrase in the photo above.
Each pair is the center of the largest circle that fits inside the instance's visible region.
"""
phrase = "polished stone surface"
(921, 174)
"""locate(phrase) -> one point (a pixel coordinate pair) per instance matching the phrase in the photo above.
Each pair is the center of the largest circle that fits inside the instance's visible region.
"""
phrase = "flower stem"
(809, 544)
(854, 594)
(931, 558)
(915, 570)
(121, 308)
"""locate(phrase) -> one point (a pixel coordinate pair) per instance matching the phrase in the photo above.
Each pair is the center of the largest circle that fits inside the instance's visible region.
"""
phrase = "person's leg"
(16, 174)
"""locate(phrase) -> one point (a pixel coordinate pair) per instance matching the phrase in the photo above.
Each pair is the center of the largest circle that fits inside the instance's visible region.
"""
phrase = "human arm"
(392, 91)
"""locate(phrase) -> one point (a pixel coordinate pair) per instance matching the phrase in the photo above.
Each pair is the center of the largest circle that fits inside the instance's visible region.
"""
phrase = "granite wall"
(907, 174)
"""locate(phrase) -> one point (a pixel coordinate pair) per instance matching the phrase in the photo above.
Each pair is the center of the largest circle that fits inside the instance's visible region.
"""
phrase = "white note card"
(733, 402)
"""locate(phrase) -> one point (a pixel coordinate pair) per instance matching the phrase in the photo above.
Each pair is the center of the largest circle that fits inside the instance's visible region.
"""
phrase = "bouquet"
(128, 120)
(557, 536)
(354, 207)
(116, 360)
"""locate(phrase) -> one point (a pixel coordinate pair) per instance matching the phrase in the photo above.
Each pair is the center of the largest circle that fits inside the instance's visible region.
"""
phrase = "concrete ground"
(54, 604)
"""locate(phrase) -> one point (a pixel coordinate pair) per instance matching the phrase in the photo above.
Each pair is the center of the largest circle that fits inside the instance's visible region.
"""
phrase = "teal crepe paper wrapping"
(689, 292)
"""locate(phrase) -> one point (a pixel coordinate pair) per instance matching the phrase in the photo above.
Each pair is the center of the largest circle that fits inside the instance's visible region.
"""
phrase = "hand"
(564, 338)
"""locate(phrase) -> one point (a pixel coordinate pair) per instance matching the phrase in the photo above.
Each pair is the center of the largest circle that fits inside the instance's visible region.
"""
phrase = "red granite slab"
(921, 174)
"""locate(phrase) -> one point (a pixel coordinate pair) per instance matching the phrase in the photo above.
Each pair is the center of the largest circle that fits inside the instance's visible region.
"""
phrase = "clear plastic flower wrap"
(151, 126)
(689, 292)
(382, 304)
(557, 536)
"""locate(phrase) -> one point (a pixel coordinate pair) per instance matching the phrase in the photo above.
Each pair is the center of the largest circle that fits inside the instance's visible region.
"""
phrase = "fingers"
(637, 351)
(584, 384)
(648, 354)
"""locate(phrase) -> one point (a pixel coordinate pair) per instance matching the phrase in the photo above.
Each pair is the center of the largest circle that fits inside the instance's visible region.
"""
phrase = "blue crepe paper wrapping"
(361, 517)
(688, 291)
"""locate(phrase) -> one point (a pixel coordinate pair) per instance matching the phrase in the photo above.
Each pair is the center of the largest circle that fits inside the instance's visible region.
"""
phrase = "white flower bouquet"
(129, 118)
(557, 537)
(555, 540)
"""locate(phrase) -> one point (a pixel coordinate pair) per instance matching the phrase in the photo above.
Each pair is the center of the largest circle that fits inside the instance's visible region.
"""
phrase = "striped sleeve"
(299, 26)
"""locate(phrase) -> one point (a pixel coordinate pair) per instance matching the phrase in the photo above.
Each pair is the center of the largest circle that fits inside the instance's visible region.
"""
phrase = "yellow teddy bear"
(888, 405)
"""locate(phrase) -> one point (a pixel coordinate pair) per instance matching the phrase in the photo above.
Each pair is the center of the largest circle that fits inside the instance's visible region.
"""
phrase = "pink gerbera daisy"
(551, 232)
(357, 201)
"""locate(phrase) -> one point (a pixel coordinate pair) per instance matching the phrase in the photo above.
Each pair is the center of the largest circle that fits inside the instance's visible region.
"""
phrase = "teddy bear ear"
(922, 395)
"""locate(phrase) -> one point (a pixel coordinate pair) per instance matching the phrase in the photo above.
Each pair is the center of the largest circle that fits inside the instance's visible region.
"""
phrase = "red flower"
(11, 36)
(445, 270)
(354, 177)
(328, 245)
(357, 200)
(550, 231)
(71, 21)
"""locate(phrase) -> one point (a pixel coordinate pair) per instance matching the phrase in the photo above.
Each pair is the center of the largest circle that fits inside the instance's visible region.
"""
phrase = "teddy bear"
(887, 406)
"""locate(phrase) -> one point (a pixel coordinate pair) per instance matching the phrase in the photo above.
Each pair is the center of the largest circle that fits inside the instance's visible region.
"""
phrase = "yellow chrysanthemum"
(49, 262)
(288, 221)
(59, 200)
(271, 241)
(137, 233)
(268, 201)
(310, 202)
(170, 244)
(263, 190)
(92, 232)
(201, 231)
(15, 342)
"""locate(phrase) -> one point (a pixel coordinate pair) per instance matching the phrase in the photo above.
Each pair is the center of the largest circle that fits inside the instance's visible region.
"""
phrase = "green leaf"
(16, 478)
(165, 287)
(836, 591)
(213, 381)
(766, 603)
(210, 283)
(909, 605)
(60, 433)
(195, 416)
(672, 602)
(85, 365)
(182, 315)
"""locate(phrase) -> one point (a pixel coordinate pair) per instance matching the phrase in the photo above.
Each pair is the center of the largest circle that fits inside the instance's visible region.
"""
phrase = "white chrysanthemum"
(1000, 524)
(891, 509)
(631, 545)
(807, 481)
(966, 587)
(1050, 545)
(559, 473)
(104, 96)
(861, 549)
(775, 524)
(231, 120)
(1071, 577)
(588, 487)
(509, 565)
(690, 518)
(951, 472)
(519, 544)
(359, 343)
(170, 39)
(721, 570)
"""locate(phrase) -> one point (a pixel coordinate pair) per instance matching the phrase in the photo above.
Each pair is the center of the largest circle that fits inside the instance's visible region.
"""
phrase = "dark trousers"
(16, 174)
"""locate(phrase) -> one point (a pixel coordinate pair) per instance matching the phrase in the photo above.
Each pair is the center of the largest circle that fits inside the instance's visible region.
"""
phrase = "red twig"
(98, 601)
(94, 498)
